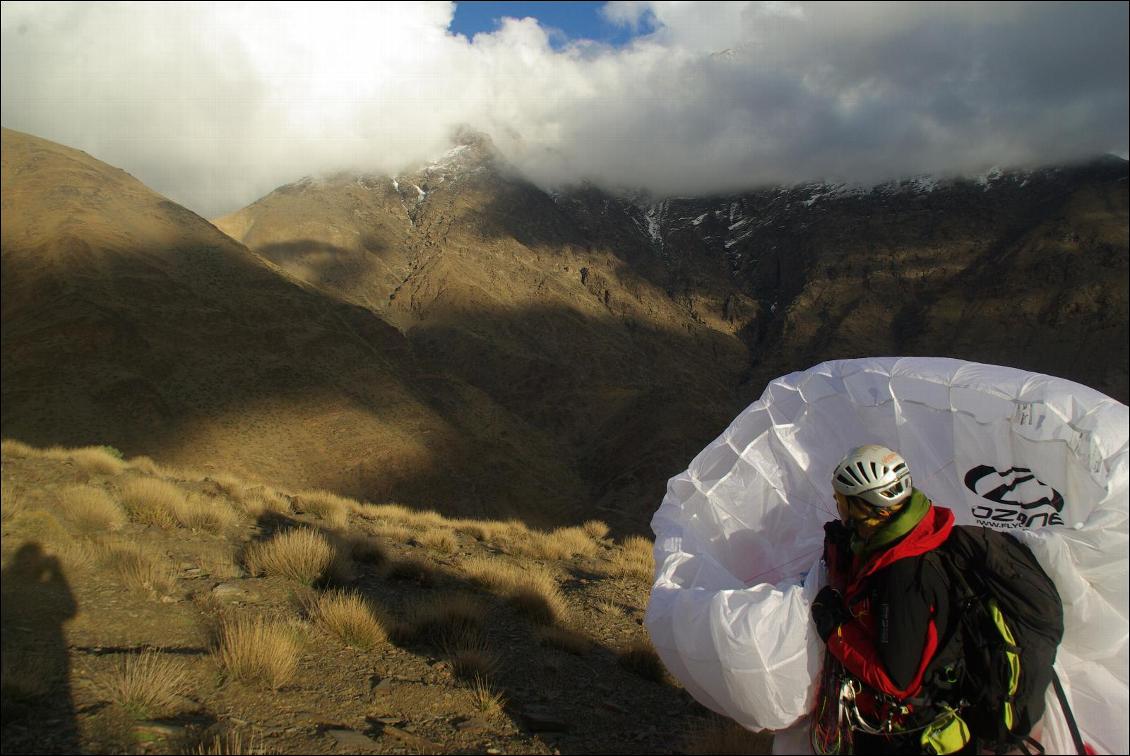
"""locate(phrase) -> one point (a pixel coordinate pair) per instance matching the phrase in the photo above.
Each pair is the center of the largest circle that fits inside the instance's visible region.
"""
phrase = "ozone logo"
(1021, 500)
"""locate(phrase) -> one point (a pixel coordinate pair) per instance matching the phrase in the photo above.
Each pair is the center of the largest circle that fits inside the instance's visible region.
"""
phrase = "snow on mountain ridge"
(655, 216)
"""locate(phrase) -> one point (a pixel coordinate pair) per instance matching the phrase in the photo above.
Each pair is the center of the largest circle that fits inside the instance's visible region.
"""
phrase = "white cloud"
(215, 104)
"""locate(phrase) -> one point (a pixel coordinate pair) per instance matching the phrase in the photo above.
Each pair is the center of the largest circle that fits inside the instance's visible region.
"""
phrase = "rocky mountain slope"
(629, 328)
(573, 333)
(1020, 268)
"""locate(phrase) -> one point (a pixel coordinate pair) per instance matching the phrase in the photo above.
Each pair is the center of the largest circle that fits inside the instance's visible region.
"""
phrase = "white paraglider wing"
(739, 534)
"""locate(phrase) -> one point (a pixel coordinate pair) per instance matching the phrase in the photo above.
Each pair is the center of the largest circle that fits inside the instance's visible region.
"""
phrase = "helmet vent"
(874, 474)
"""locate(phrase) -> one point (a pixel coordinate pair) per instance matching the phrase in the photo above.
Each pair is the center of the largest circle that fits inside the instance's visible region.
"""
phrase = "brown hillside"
(131, 321)
(630, 333)
(572, 330)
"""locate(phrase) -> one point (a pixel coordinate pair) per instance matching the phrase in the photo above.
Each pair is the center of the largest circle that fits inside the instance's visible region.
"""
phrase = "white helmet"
(874, 474)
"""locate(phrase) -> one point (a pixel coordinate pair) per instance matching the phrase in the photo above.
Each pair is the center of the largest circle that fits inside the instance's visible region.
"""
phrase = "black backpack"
(995, 660)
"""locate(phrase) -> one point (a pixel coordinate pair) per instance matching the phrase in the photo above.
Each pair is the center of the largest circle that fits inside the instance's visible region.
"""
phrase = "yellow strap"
(1013, 659)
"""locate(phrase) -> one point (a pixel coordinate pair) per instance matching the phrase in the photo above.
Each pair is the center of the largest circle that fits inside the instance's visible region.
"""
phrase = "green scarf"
(901, 523)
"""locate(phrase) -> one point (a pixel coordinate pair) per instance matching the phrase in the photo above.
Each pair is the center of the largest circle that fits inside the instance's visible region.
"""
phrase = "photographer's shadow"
(38, 711)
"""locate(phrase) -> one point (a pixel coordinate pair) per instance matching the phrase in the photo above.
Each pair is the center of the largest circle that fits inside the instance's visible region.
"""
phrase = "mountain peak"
(467, 136)
(471, 152)
(470, 148)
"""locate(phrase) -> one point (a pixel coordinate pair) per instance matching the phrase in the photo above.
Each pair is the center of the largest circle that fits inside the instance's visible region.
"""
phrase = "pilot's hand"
(829, 612)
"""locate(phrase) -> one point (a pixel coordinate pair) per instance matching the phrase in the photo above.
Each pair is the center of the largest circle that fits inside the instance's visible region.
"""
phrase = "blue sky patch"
(566, 21)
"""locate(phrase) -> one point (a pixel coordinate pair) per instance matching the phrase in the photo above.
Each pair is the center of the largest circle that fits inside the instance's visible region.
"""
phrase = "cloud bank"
(215, 104)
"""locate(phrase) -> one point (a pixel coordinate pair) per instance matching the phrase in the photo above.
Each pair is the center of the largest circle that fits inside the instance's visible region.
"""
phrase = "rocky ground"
(121, 577)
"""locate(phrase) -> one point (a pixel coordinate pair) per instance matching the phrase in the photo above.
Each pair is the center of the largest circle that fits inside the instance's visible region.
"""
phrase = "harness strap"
(1036, 746)
(1072, 725)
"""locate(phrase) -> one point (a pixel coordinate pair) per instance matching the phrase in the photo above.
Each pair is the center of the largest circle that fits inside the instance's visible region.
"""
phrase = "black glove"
(837, 547)
(829, 612)
(838, 533)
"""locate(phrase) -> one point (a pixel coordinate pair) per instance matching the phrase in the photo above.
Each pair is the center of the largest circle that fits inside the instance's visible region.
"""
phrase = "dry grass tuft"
(429, 518)
(488, 701)
(10, 447)
(259, 501)
(349, 617)
(152, 502)
(300, 554)
(384, 512)
(634, 558)
(327, 506)
(573, 540)
(640, 658)
(566, 639)
(539, 598)
(505, 533)
(480, 531)
(145, 684)
(400, 515)
(60, 453)
(726, 738)
(230, 485)
(491, 530)
(530, 589)
(77, 553)
(562, 543)
(493, 573)
(391, 532)
(438, 539)
(148, 466)
(138, 567)
(595, 528)
(92, 509)
(157, 502)
(11, 503)
(202, 513)
(231, 743)
(254, 650)
(41, 525)
(453, 621)
(99, 460)
(610, 608)
(473, 660)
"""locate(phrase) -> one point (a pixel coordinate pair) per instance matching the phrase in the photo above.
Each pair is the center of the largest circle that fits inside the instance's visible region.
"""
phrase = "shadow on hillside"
(589, 221)
(38, 710)
(542, 413)
(327, 265)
